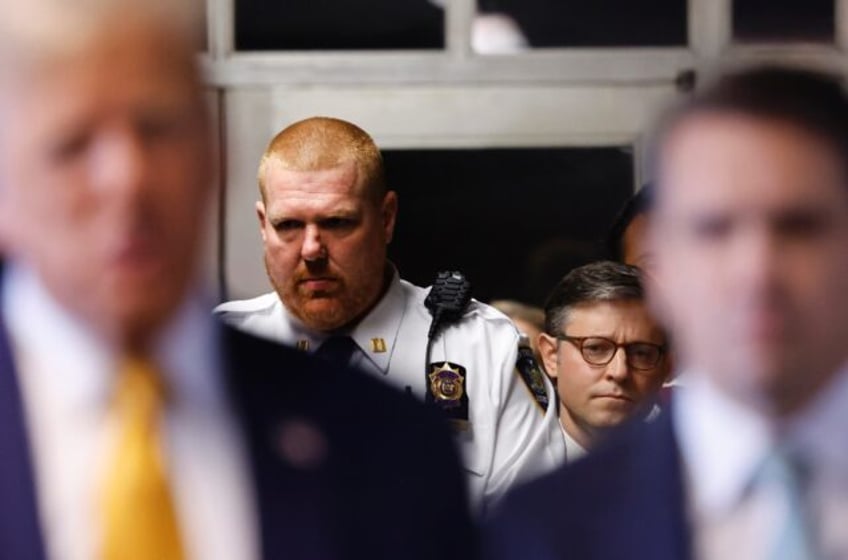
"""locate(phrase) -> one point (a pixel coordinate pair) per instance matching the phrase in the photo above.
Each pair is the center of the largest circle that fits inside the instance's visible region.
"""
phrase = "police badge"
(446, 383)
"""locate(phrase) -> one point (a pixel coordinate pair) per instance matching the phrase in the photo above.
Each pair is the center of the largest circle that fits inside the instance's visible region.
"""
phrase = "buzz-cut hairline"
(319, 143)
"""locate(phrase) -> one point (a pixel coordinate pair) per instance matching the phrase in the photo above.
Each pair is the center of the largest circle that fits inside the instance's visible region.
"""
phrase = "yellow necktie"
(139, 520)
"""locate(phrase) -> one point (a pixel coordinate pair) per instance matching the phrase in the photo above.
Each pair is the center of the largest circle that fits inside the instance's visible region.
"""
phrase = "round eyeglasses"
(599, 351)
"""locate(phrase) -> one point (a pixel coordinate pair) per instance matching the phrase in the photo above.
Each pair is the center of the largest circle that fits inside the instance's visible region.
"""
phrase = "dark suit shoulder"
(624, 496)
(387, 471)
(292, 377)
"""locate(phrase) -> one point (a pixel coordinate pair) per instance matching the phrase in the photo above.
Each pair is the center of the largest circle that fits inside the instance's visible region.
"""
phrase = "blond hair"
(321, 143)
(516, 310)
(36, 30)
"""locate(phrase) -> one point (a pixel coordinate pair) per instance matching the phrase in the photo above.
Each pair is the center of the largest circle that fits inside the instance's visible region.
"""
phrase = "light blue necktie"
(795, 540)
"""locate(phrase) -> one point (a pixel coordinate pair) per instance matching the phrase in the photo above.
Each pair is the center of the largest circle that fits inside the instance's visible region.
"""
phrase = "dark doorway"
(513, 220)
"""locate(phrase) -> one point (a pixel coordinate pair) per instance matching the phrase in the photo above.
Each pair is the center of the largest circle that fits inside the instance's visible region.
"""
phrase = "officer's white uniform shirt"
(510, 438)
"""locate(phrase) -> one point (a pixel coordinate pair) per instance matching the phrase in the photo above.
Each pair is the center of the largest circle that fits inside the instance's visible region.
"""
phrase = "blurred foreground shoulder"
(376, 461)
(622, 501)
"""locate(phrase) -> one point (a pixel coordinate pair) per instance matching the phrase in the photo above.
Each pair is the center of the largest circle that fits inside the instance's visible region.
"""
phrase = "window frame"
(601, 96)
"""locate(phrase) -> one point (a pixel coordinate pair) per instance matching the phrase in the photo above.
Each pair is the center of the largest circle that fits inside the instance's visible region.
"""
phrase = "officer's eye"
(337, 223)
(287, 225)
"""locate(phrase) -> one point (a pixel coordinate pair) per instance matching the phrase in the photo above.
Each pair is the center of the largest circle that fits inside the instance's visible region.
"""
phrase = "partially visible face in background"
(636, 250)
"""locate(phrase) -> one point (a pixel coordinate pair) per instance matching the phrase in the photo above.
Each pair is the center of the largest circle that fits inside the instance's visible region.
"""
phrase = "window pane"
(578, 23)
(337, 25)
(513, 220)
(786, 20)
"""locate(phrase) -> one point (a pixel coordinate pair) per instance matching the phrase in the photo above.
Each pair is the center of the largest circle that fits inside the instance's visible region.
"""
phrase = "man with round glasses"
(605, 352)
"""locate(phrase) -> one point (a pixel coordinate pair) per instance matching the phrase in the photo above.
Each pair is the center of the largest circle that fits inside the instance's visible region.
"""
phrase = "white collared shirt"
(723, 444)
(375, 336)
(573, 450)
(66, 377)
(510, 439)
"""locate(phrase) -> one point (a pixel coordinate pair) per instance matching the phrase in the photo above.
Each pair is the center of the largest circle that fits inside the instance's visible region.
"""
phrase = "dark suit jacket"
(625, 500)
(343, 466)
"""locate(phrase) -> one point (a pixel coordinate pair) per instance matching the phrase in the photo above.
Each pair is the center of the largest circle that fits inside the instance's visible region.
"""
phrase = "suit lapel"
(296, 503)
(664, 482)
(20, 533)
(645, 515)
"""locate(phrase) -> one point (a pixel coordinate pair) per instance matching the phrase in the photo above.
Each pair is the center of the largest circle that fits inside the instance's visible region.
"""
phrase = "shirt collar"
(822, 423)
(573, 450)
(375, 335)
(187, 352)
(48, 340)
(293, 330)
(84, 365)
(723, 442)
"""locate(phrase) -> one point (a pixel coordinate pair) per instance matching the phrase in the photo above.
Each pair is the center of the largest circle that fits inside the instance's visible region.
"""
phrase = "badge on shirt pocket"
(446, 390)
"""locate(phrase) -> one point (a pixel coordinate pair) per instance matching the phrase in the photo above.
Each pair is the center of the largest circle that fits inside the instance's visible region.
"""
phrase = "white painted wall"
(452, 98)
(416, 117)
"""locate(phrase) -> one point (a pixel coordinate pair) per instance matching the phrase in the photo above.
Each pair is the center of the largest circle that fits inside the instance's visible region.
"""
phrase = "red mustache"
(300, 276)
(301, 280)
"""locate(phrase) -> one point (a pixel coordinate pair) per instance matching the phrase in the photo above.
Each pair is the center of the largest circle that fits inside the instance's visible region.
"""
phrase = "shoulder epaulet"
(531, 373)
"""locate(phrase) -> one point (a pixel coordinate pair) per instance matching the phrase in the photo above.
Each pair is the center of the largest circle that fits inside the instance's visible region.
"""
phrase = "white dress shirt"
(573, 450)
(723, 445)
(510, 438)
(66, 377)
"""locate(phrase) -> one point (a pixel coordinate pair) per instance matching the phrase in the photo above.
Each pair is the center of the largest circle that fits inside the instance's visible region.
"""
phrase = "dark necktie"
(337, 349)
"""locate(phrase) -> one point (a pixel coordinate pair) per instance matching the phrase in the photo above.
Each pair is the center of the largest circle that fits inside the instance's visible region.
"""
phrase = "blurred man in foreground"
(326, 217)
(750, 234)
(604, 350)
(131, 426)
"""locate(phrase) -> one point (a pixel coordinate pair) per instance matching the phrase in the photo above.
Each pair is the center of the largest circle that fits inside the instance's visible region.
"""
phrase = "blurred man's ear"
(548, 351)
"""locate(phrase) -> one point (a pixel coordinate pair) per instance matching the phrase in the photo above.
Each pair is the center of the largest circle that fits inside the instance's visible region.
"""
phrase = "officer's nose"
(313, 248)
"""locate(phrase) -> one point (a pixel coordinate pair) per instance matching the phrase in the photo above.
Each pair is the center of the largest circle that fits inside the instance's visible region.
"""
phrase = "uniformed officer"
(326, 217)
